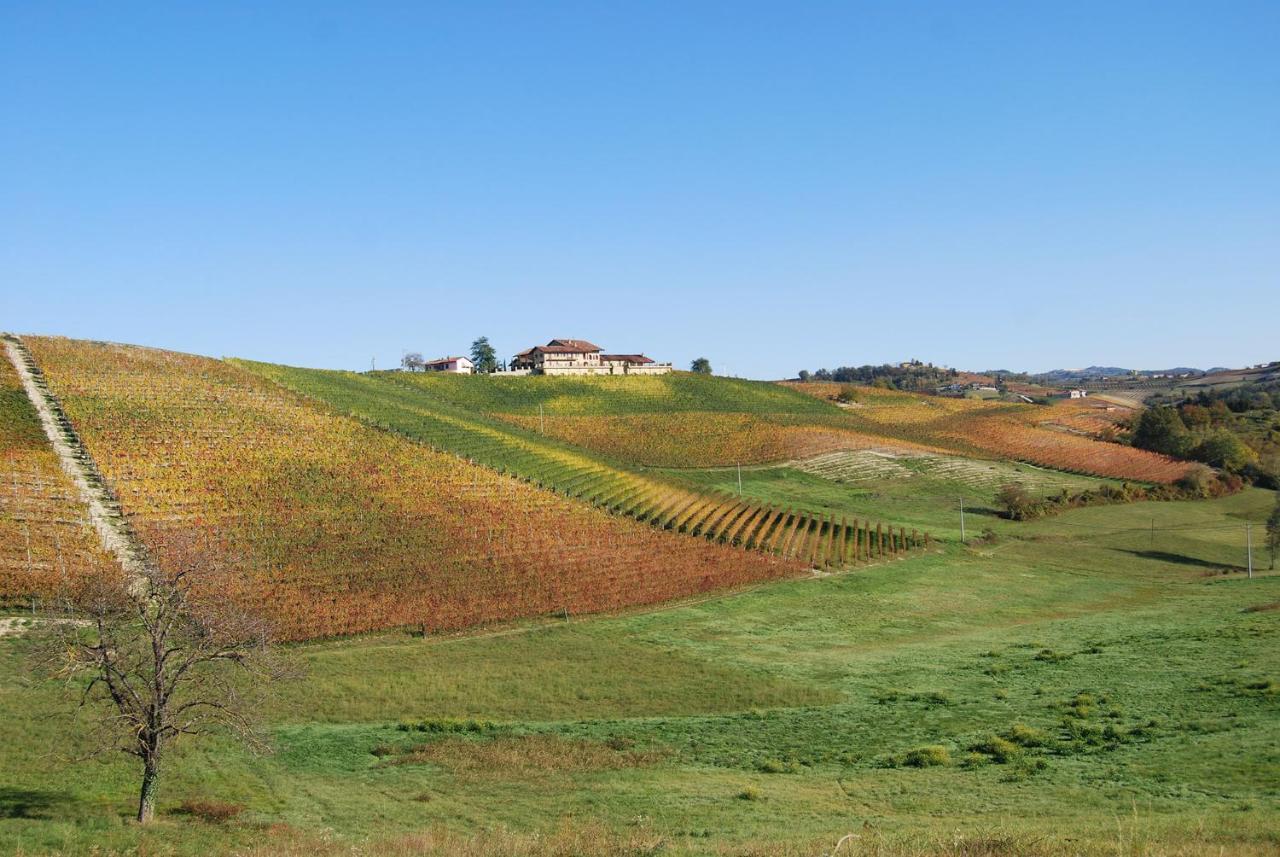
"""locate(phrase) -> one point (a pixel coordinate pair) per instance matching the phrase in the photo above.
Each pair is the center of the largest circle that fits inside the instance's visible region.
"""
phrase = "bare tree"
(412, 361)
(167, 655)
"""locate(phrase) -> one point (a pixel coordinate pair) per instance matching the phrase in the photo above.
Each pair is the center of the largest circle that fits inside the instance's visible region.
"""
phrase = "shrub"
(1023, 769)
(1018, 505)
(749, 793)
(215, 811)
(772, 766)
(1026, 736)
(927, 757)
(449, 726)
(999, 749)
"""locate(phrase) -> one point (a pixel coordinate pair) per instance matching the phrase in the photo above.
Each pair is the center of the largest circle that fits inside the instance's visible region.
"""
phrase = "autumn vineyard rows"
(688, 421)
(45, 534)
(816, 540)
(341, 527)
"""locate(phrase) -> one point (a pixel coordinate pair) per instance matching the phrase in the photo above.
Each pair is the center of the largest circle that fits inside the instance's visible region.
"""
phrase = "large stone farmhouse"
(579, 357)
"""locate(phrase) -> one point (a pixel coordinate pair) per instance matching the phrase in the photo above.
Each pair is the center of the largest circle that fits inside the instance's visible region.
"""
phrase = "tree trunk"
(147, 800)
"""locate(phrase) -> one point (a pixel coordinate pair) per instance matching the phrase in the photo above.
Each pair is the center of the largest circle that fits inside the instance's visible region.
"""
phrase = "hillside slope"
(677, 420)
(340, 528)
(45, 533)
(1061, 436)
(683, 420)
(817, 540)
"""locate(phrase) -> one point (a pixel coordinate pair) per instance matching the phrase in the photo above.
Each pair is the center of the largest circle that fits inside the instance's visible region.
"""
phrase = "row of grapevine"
(663, 503)
(46, 537)
(335, 527)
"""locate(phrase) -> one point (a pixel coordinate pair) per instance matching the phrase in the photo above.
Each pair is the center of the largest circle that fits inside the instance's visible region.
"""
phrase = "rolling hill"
(386, 402)
(339, 527)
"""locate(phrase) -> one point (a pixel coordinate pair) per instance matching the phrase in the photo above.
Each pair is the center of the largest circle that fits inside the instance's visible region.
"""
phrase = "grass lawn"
(1083, 684)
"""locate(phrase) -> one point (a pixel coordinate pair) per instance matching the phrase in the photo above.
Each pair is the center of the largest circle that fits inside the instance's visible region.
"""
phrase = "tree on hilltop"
(483, 356)
(412, 361)
(701, 365)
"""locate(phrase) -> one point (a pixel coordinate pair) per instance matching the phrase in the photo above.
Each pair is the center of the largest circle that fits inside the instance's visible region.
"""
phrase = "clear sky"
(776, 186)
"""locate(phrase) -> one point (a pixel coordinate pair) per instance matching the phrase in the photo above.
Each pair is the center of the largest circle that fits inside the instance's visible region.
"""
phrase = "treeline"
(1236, 430)
(912, 377)
(1017, 503)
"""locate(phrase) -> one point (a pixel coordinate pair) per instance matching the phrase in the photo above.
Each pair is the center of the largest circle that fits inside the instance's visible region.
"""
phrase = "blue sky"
(775, 186)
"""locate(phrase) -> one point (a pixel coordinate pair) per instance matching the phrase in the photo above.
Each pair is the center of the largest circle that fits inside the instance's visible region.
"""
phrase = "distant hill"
(1062, 376)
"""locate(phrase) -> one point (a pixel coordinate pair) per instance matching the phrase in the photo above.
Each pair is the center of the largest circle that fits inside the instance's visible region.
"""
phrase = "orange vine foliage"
(341, 528)
(45, 534)
(700, 438)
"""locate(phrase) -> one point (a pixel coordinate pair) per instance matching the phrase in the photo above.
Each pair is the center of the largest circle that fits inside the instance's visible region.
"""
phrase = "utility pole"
(961, 520)
(1248, 539)
(373, 364)
(739, 478)
(542, 423)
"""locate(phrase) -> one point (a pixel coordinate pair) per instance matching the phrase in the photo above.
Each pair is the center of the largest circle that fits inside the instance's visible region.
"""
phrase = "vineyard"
(686, 421)
(703, 439)
(333, 524)
(45, 534)
(1060, 436)
(340, 528)
(815, 540)
(676, 420)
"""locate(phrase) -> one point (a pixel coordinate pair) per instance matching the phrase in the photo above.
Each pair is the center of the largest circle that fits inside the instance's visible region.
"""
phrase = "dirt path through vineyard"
(75, 460)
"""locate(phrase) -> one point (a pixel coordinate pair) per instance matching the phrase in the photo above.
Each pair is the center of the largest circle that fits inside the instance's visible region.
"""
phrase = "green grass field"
(1092, 685)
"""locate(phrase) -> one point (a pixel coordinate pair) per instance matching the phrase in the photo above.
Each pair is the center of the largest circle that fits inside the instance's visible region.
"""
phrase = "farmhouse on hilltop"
(457, 365)
(579, 357)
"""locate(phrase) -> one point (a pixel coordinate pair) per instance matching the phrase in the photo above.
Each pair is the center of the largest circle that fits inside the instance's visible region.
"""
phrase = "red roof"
(626, 358)
(561, 346)
(572, 345)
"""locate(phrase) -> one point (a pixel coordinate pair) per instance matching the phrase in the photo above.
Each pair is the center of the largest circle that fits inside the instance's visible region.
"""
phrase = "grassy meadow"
(1081, 684)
